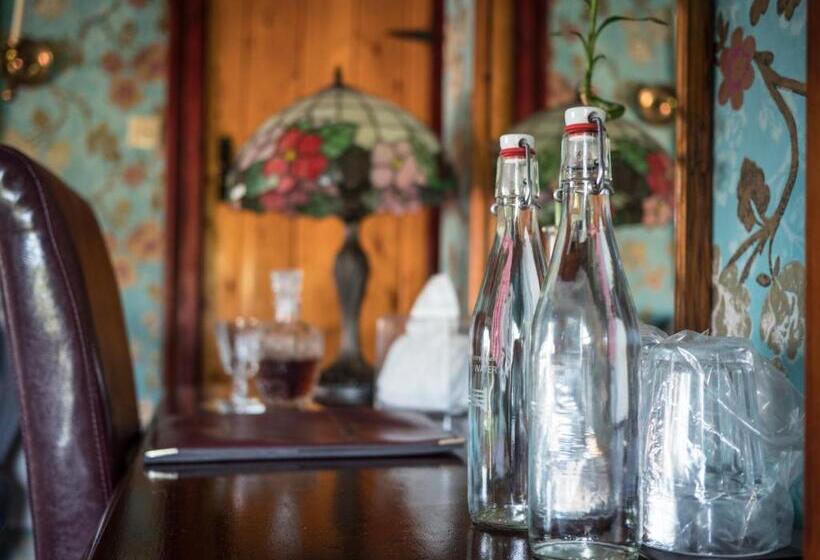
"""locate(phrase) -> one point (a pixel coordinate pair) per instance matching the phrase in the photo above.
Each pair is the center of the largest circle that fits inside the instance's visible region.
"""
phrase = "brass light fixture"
(25, 61)
(656, 104)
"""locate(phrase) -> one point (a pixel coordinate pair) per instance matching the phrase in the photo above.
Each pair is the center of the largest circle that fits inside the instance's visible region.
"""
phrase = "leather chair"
(67, 343)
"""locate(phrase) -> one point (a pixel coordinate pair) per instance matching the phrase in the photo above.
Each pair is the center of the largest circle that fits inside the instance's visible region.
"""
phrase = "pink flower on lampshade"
(656, 211)
(298, 158)
(275, 200)
(393, 164)
(659, 175)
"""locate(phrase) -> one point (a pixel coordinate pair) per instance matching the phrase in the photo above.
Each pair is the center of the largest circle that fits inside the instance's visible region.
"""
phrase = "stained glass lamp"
(341, 152)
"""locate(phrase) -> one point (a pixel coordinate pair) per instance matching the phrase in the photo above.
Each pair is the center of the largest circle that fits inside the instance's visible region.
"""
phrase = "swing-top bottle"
(582, 385)
(499, 339)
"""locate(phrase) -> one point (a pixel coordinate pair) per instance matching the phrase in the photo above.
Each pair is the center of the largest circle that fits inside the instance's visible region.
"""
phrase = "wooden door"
(265, 54)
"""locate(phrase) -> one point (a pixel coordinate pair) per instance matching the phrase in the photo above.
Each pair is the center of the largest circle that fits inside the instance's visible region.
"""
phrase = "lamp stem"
(351, 273)
(349, 379)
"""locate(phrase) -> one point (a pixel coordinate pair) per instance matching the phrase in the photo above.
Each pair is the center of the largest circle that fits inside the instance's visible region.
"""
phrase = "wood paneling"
(812, 505)
(693, 170)
(264, 55)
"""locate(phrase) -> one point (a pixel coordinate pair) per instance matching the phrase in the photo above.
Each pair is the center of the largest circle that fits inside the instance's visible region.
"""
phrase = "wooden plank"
(276, 33)
(318, 241)
(492, 114)
(223, 235)
(377, 69)
(811, 531)
(414, 229)
(693, 169)
(184, 197)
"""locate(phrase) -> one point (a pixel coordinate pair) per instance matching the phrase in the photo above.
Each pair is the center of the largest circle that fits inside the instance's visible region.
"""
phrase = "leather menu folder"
(288, 434)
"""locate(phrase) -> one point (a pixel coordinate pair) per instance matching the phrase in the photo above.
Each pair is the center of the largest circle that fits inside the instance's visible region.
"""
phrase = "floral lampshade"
(339, 152)
(642, 170)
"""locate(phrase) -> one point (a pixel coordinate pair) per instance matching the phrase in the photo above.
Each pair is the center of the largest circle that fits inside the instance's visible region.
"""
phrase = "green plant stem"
(589, 51)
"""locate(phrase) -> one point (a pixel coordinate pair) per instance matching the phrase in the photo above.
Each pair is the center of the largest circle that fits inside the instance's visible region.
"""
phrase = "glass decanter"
(499, 338)
(583, 383)
(290, 348)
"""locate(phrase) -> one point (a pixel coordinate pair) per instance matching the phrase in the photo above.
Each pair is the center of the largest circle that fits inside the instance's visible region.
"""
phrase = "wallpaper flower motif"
(736, 67)
(760, 178)
(113, 70)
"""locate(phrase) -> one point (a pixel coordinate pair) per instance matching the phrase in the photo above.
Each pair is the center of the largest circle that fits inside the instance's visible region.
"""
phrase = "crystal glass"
(290, 348)
(238, 342)
(582, 385)
(499, 340)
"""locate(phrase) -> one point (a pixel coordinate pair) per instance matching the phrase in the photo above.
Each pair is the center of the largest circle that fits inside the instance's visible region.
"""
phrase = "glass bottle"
(290, 348)
(582, 385)
(499, 337)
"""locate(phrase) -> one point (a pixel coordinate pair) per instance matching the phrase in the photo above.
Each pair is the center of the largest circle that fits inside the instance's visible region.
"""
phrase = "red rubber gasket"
(515, 152)
(579, 128)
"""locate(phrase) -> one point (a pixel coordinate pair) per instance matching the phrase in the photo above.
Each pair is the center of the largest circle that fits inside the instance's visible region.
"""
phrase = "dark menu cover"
(288, 434)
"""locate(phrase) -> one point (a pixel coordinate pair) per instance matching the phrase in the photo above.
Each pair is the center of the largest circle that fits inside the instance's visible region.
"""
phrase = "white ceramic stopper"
(513, 140)
(580, 115)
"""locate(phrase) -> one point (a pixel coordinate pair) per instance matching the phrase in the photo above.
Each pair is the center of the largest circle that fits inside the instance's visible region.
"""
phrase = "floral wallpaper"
(759, 177)
(636, 53)
(97, 125)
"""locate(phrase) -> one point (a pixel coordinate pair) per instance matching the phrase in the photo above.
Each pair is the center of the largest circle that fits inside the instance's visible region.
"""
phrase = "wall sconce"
(24, 61)
(656, 104)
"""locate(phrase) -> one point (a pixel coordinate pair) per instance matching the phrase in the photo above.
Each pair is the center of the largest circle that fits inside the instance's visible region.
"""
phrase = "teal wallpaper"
(759, 177)
(97, 125)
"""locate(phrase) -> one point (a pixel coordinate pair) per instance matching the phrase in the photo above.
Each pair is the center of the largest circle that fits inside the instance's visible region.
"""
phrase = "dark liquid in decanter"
(286, 380)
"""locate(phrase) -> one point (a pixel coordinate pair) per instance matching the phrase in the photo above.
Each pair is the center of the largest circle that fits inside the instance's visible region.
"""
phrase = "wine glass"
(239, 344)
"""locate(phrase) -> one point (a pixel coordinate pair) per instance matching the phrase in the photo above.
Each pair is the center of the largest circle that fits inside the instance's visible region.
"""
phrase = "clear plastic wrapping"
(722, 442)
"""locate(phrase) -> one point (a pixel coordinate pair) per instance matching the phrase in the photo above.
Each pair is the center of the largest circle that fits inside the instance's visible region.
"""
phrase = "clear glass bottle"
(582, 385)
(290, 348)
(499, 338)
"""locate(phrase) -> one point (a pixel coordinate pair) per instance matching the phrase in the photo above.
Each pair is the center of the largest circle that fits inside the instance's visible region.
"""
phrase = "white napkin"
(426, 368)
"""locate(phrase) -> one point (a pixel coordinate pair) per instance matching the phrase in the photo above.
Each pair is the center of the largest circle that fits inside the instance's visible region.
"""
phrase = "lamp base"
(346, 382)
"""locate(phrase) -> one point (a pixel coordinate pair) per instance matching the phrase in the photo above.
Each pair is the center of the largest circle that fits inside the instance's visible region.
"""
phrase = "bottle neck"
(585, 214)
(286, 309)
(516, 181)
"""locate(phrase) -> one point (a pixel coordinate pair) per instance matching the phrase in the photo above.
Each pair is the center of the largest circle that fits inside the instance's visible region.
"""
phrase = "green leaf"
(336, 138)
(320, 205)
(632, 153)
(613, 110)
(424, 159)
(582, 38)
(256, 183)
(613, 19)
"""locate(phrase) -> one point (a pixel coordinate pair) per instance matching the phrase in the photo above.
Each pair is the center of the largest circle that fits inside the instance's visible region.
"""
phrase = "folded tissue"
(426, 367)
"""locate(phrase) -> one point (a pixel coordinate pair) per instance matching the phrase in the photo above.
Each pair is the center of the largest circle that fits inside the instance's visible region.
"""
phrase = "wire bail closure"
(599, 186)
(527, 201)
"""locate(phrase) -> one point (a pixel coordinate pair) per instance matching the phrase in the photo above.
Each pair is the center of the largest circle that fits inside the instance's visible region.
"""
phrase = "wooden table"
(383, 509)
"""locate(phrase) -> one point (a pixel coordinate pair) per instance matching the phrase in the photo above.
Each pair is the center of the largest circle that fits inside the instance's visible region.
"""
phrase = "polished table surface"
(374, 509)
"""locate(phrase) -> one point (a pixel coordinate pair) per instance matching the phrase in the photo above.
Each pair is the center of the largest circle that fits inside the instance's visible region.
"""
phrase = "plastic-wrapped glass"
(499, 340)
(583, 382)
(723, 443)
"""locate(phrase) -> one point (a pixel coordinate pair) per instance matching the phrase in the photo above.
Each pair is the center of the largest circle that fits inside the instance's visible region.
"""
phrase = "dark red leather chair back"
(68, 348)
